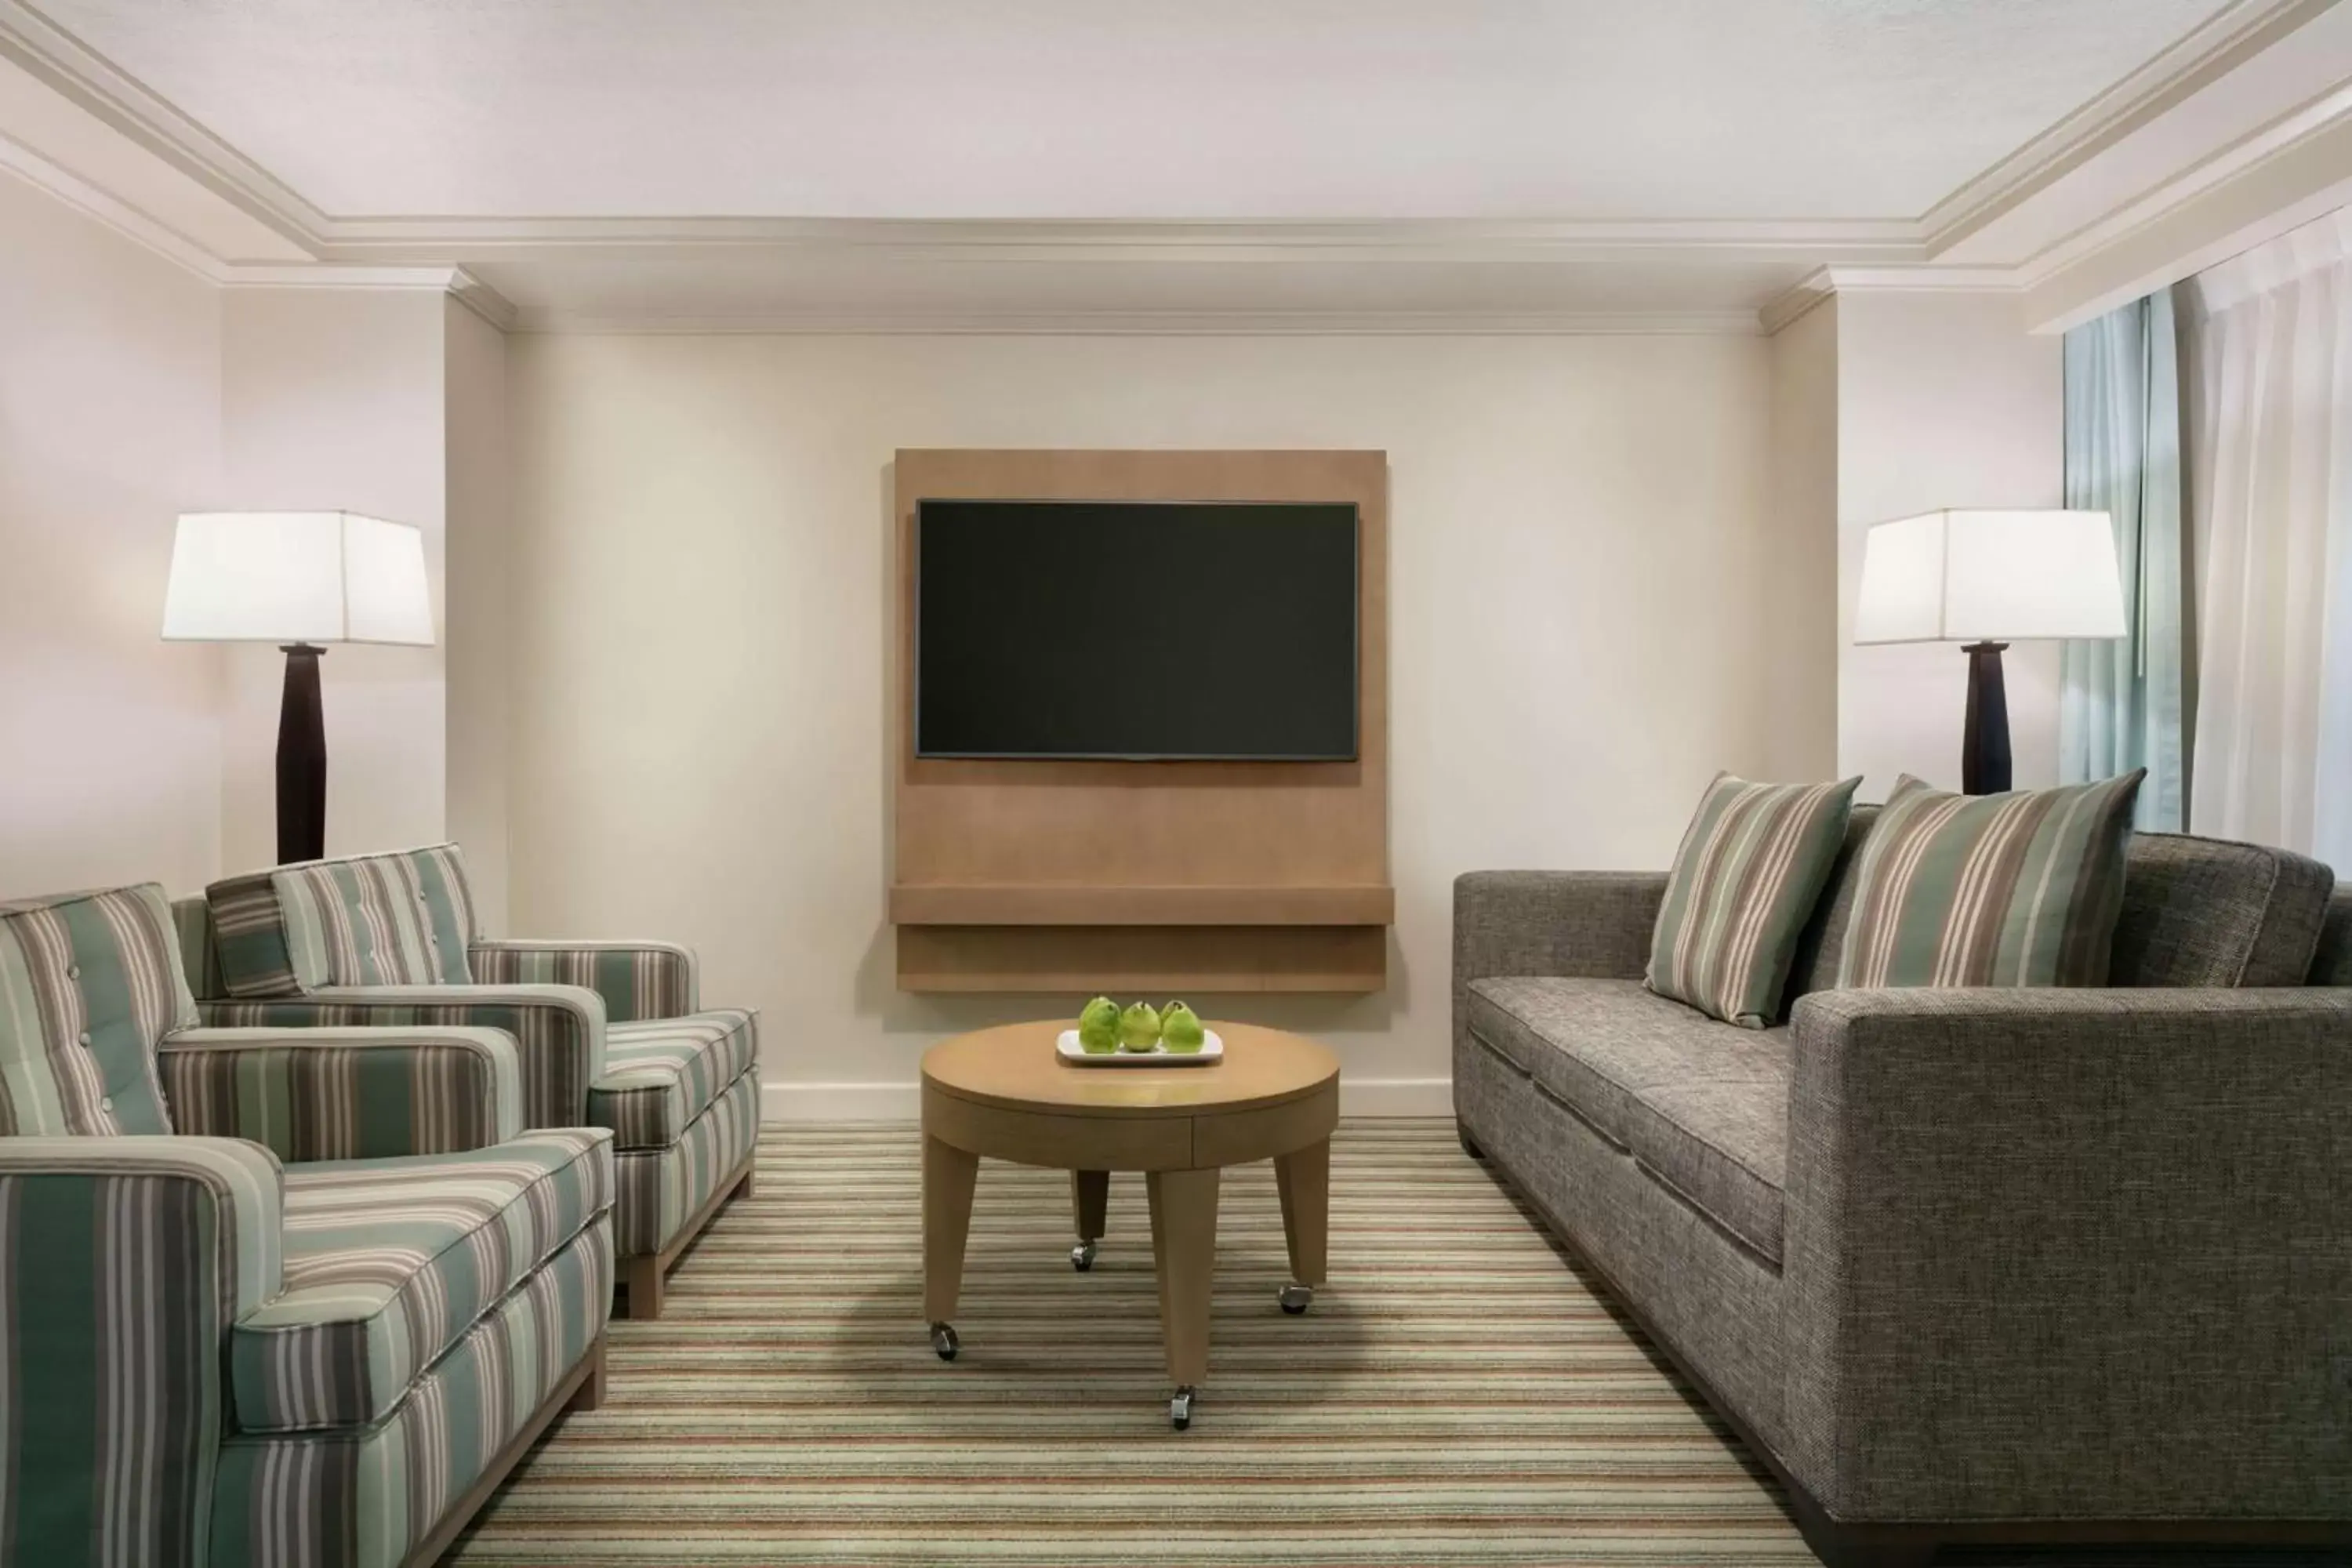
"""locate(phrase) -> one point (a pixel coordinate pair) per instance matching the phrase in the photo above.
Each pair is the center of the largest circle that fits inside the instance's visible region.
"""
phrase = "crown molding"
(133, 110)
(2216, 47)
(1150, 323)
(1174, 240)
(2249, 160)
(109, 209)
(1801, 297)
(470, 290)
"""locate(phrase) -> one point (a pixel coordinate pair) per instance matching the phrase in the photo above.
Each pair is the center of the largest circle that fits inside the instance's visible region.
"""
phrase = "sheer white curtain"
(2270, 382)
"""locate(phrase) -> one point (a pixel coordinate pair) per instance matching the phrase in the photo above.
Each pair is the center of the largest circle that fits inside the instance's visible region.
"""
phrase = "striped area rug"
(1456, 1395)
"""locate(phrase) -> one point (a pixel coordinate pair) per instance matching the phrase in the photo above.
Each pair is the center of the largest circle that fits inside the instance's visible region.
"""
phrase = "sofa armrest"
(125, 1262)
(638, 980)
(558, 1030)
(2071, 1253)
(1588, 924)
(345, 1093)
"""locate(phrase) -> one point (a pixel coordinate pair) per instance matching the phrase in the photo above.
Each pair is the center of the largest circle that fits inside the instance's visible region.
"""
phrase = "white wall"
(335, 399)
(110, 425)
(477, 606)
(1581, 526)
(1943, 400)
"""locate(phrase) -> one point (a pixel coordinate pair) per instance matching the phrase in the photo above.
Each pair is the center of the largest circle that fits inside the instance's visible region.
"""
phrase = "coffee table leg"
(948, 1177)
(1185, 1244)
(1303, 1177)
(1089, 1202)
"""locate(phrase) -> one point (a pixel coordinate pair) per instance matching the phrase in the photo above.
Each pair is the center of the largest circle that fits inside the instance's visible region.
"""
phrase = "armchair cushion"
(389, 1262)
(88, 983)
(660, 1075)
(638, 980)
(345, 1094)
(402, 918)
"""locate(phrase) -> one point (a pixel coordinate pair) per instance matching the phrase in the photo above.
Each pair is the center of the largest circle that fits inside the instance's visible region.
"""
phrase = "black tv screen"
(1136, 630)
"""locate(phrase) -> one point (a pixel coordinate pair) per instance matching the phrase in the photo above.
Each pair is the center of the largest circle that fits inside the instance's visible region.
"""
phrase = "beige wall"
(1801, 582)
(1579, 641)
(476, 607)
(110, 425)
(1943, 400)
(335, 399)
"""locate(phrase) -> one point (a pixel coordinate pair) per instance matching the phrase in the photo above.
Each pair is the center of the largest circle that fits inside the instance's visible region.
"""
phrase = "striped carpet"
(1456, 1397)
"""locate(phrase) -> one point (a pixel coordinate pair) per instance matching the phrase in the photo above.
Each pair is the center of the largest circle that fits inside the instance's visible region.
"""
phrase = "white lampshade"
(296, 577)
(1990, 576)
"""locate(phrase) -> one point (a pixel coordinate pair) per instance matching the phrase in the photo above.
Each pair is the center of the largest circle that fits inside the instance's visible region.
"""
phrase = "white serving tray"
(1212, 1047)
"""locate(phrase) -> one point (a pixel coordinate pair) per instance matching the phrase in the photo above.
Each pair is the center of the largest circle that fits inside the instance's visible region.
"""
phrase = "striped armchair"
(272, 1298)
(609, 1033)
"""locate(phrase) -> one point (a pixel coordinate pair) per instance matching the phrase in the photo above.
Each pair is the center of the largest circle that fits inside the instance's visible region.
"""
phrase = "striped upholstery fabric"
(637, 979)
(1744, 883)
(345, 1094)
(2021, 889)
(88, 982)
(402, 918)
(122, 1263)
(660, 1075)
(659, 1189)
(389, 1262)
(559, 1030)
(363, 1498)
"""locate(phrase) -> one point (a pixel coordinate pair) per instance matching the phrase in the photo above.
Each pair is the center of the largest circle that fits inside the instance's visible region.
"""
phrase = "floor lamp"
(1987, 579)
(298, 579)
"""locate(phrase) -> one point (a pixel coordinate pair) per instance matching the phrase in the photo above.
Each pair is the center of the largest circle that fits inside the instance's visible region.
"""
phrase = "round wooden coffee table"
(1004, 1093)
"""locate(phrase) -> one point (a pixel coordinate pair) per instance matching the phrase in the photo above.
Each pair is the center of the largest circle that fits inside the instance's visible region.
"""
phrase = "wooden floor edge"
(453, 1524)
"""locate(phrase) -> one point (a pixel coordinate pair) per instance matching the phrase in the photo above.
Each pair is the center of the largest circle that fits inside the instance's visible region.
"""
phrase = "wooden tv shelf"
(1033, 904)
(1154, 879)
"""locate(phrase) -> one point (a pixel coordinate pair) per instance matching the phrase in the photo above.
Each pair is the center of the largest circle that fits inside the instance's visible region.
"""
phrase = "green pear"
(1180, 1028)
(1099, 1027)
(1139, 1027)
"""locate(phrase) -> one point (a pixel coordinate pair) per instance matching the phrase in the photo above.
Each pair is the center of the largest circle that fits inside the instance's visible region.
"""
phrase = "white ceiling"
(1295, 109)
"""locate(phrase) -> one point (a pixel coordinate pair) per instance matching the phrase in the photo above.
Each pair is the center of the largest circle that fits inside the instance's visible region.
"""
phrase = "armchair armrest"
(345, 1093)
(638, 980)
(558, 1030)
(126, 1259)
(2083, 1251)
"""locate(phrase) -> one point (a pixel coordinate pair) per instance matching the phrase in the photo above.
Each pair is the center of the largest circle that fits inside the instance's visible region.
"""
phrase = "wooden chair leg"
(644, 1279)
(743, 1187)
(590, 1395)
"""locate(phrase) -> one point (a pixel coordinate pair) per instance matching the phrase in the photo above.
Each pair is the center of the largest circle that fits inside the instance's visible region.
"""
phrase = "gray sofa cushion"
(2206, 911)
(2332, 964)
(1702, 1105)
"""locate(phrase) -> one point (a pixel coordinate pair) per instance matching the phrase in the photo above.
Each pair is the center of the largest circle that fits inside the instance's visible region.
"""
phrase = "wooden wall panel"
(1280, 842)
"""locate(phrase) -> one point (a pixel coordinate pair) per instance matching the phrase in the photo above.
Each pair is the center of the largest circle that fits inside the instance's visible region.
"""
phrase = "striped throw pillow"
(1745, 880)
(1999, 889)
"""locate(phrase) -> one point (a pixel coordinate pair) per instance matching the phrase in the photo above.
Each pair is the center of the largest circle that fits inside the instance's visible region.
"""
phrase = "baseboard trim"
(901, 1102)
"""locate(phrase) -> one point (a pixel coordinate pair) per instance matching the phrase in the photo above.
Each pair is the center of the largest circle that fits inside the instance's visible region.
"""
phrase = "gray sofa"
(1962, 1267)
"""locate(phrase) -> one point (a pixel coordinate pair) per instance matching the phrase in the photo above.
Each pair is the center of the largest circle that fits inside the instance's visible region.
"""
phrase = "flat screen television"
(1136, 630)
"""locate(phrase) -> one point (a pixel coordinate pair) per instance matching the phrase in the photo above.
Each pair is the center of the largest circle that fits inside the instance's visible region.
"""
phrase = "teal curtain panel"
(2120, 702)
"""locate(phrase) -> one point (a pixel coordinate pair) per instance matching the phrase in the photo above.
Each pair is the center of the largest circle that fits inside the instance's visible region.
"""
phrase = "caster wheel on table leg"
(1294, 1299)
(1180, 1409)
(1082, 1257)
(944, 1341)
